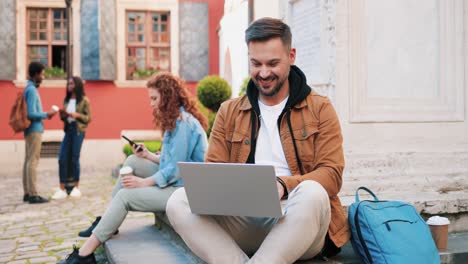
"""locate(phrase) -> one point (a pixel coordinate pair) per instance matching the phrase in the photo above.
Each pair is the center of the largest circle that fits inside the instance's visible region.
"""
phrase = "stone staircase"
(436, 183)
(142, 241)
(406, 172)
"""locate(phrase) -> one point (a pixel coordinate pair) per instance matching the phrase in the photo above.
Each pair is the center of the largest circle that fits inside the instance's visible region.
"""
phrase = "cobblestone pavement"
(45, 233)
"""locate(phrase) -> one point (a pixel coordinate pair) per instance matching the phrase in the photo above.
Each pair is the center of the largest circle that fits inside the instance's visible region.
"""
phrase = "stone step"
(406, 171)
(453, 205)
(141, 241)
(457, 252)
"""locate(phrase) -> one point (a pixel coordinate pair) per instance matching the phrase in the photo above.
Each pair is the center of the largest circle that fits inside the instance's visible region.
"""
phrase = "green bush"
(243, 87)
(209, 114)
(54, 72)
(152, 146)
(212, 91)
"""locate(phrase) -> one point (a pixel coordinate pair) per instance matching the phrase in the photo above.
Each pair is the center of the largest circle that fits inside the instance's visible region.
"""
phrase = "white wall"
(267, 8)
(396, 73)
(401, 93)
(231, 36)
(313, 36)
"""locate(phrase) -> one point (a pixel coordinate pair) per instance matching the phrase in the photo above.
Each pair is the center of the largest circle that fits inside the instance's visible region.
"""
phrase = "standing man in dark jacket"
(33, 134)
(280, 122)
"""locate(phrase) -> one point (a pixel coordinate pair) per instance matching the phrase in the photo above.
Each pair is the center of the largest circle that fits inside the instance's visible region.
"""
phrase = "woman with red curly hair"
(155, 177)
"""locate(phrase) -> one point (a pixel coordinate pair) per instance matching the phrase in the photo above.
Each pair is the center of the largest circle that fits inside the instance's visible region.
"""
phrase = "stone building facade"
(396, 72)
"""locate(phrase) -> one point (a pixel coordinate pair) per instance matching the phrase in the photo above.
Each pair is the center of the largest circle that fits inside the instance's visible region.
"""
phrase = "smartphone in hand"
(132, 143)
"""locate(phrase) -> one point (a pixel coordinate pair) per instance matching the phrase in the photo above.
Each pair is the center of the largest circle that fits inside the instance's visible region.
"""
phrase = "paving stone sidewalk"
(45, 233)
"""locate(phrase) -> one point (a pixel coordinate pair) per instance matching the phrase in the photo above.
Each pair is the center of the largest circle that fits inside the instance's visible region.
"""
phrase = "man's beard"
(37, 83)
(275, 89)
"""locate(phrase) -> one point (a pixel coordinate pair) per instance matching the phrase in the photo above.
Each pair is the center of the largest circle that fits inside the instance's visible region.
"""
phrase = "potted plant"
(143, 74)
(54, 73)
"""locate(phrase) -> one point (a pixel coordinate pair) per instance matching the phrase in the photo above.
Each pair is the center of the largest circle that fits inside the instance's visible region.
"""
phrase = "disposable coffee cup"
(439, 230)
(126, 170)
(55, 108)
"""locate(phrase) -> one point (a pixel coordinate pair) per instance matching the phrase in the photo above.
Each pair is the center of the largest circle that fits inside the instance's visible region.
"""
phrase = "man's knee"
(310, 200)
(177, 202)
(312, 191)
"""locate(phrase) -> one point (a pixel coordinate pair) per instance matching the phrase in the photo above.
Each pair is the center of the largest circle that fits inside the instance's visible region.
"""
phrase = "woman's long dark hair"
(79, 90)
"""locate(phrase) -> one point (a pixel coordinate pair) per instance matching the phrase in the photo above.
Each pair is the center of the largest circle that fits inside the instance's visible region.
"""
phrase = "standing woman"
(155, 177)
(76, 115)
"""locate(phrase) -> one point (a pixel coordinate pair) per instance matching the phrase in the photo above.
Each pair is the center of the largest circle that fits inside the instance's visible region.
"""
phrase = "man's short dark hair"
(35, 67)
(267, 28)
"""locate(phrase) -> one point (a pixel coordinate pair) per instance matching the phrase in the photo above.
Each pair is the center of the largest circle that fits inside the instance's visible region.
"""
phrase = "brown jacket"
(317, 135)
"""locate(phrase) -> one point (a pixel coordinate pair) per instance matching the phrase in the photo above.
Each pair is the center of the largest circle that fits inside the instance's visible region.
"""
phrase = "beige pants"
(31, 161)
(146, 199)
(299, 234)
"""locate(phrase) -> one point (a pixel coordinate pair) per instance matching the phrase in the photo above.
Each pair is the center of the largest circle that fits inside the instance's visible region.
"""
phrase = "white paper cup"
(126, 170)
(439, 230)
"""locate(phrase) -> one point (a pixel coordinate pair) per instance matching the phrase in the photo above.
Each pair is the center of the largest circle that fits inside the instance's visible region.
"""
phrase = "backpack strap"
(367, 190)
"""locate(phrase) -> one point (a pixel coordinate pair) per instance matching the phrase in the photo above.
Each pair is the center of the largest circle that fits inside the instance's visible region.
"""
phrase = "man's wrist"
(285, 189)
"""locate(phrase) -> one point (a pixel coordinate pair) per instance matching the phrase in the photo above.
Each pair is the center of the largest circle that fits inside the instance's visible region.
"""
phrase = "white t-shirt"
(269, 150)
(71, 108)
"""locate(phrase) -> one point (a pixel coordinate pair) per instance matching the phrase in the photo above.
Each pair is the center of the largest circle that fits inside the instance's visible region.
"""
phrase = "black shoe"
(74, 258)
(26, 198)
(37, 200)
(87, 232)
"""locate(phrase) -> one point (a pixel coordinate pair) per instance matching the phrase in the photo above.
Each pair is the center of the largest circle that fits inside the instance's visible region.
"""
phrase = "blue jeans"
(69, 155)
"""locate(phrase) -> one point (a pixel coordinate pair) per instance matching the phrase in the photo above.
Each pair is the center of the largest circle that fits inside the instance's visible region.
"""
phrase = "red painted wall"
(113, 109)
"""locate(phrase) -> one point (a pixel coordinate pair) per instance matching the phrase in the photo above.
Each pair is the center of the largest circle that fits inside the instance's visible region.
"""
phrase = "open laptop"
(233, 189)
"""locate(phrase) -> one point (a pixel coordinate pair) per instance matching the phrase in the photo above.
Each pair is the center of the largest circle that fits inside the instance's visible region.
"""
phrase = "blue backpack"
(390, 232)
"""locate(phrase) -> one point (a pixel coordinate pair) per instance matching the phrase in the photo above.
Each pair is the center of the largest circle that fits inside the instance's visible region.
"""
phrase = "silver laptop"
(231, 189)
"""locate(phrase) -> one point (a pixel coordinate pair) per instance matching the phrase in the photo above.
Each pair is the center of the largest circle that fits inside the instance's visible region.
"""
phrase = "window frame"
(148, 43)
(21, 75)
(50, 32)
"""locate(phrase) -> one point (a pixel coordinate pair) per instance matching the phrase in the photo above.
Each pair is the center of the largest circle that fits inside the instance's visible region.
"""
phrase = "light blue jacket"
(186, 142)
(35, 114)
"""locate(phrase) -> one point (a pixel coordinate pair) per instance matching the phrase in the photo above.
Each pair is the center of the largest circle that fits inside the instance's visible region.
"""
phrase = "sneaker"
(37, 199)
(87, 232)
(26, 198)
(60, 194)
(75, 258)
(75, 192)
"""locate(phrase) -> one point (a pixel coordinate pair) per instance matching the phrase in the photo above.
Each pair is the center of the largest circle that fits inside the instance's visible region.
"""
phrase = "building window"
(47, 39)
(147, 43)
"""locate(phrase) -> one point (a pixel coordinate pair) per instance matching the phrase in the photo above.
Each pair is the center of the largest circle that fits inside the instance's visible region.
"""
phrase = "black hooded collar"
(298, 91)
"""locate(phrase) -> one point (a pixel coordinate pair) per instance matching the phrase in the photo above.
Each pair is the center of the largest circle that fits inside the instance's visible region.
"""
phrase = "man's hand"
(132, 181)
(63, 114)
(280, 190)
(51, 113)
